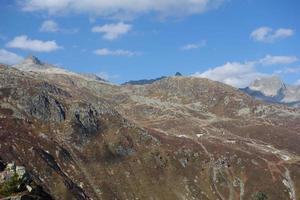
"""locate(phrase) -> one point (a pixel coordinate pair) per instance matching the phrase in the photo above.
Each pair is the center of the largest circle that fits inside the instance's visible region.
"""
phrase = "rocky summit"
(78, 137)
(273, 90)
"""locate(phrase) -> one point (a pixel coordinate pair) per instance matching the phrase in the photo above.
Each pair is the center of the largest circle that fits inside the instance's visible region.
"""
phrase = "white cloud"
(276, 60)
(242, 74)
(194, 45)
(9, 58)
(122, 8)
(297, 82)
(232, 73)
(118, 52)
(52, 26)
(23, 42)
(49, 26)
(288, 70)
(112, 31)
(267, 34)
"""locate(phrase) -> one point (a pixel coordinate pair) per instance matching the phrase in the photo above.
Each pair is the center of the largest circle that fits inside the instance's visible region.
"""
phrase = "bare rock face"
(46, 108)
(272, 89)
(175, 138)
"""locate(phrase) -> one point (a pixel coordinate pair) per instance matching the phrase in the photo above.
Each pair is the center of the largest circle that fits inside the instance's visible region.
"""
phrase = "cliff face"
(177, 138)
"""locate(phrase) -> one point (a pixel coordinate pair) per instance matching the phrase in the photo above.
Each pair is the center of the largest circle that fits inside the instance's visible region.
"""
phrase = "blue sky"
(233, 41)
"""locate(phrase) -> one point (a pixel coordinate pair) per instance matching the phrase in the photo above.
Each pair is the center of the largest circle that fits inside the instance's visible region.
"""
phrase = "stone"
(29, 188)
(21, 171)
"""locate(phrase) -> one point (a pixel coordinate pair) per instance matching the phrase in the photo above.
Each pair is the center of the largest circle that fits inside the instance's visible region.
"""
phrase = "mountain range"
(80, 137)
(269, 89)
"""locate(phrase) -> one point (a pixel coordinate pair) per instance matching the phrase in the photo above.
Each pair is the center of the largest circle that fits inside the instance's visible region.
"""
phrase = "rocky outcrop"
(16, 183)
(46, 108)
(86, 119)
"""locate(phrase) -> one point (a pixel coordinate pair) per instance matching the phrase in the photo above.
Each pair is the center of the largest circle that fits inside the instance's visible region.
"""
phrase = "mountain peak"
(178, 74)
(32, 59)
(32, 63)
(273, 89)
(269, 86)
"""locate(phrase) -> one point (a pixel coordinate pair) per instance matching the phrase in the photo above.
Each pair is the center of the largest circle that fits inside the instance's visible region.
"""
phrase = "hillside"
(176, 138)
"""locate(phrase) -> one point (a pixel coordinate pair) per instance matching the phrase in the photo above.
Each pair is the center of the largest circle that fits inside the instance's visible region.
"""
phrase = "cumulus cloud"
(9, 58)
(277, 60)
(242, 74)
(49, 26)
(23, 42)
(118, 52)
(232, 73)
(121, 8)
(267, 34)
(194, 45)
(112, 31)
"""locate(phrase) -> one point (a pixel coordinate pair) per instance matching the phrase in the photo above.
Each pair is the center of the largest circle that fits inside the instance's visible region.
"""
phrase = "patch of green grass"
(11, 186)
(261, 196)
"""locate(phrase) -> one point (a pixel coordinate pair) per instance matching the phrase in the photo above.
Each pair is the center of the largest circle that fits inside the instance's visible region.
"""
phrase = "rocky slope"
(272, 89)
(177, 138)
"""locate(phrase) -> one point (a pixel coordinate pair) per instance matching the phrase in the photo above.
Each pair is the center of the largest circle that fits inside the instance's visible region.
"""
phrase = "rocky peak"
(178, 74)
(32, 60)
(274, 90)
(269, 86)
(32, 63)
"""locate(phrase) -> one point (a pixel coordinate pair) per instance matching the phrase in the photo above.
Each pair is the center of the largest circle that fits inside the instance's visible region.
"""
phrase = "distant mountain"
(92, 76)
(143, 81)
(274, 90)
(178, 74)
(148, 81)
